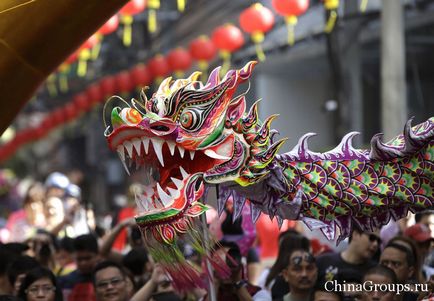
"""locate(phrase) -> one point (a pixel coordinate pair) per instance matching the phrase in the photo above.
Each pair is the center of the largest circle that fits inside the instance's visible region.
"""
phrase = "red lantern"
(227, 38)
(290, 9)
(124, 82)
(203, 50)
(141, 76)
(127, 12)
(82, 102)
(108, 85)
(59, 116)
(179, 60)
(159, 67)
(71, 111)
(257, 20)
(94, 93)
(110, 26)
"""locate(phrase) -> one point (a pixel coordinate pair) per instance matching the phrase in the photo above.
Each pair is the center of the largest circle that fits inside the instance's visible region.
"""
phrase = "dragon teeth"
(171, 146)
(164, 197)
(129, 147)
(181, 151)
(174, 193)
(121, 153)
(177, 182)
(183, 172)
(192, 155)
(145, 142)
(137, 143)
(158, 148)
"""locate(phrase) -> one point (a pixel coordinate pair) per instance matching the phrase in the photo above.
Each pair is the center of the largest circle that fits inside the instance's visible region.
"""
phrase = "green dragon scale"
(190, 135)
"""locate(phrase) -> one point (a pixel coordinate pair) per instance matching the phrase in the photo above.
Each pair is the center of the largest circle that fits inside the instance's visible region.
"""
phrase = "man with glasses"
(109, 280)
(356, 259)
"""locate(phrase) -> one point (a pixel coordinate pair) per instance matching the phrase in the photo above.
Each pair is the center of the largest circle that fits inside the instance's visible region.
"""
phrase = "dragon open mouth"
(173, 175)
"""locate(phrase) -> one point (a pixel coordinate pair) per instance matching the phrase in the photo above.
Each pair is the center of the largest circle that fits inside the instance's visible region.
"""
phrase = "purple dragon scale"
(191, 136)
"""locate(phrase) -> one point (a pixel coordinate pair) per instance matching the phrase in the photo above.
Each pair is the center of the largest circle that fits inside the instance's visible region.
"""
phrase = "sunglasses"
(297, 260)
(373, 237)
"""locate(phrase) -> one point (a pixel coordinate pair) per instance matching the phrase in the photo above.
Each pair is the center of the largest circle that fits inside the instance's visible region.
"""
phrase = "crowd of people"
(52, 249)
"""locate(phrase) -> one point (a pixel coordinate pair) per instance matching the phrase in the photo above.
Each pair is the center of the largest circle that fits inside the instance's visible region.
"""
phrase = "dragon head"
(187, 134)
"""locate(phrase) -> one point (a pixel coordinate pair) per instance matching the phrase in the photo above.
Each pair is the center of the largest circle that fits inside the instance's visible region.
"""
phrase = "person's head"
(421, 235)
(86, 253)
(320, 293)
(426, 218)
(230, 254)
(364, 244)
(56, 184)
(111, 282)
(18, 268)
(379, 275)
(411, 245)
(288, 241)
(40, 284)
(399, 259)
(65, 251)
(137, 262)
(301, 271)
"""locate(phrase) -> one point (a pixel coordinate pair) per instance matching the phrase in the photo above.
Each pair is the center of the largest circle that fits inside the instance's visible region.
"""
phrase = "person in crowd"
(357, 257)
(422, 236)
(78, 285)
(6, 257)
(301, 275)
(274, 280)
(21, 224)
(426, 218)
(40, 284)
(17, 271)
(236, 286)
(56, 184)
(320, 293)
(43, 248)
(401, 260)
(64, 256)
(139, 264)
(379, 275)
(111, 282)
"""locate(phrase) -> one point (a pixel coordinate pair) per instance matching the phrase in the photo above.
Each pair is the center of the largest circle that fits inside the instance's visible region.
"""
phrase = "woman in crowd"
(40, 285)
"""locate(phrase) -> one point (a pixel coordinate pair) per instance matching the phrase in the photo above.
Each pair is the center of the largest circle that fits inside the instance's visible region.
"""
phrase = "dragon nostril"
(161, 128)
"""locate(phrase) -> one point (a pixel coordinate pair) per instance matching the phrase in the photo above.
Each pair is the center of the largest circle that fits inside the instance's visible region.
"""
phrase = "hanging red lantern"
(108, 85)
(141, 76)
(94, 93)
(179, 61)
(290, 9)
(133, 7)
(82, 102)
(257, 20)
(203, 50)
(124, 82)
(227, 38)
(159, 67)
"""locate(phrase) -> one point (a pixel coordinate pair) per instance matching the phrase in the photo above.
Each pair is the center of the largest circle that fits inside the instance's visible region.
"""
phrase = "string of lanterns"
(255, 20)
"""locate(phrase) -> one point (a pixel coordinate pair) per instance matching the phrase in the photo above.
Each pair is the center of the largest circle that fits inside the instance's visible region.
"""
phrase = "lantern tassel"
(127, 21)
(226, 56)
(63, 78)
(258, 38)
(97, 48)
(291, 21)
(331, 22)
(363, 5)
(152, 20)
(203, 67)
(181, 5)
(51, 85)
(179, 74)
(82, 62)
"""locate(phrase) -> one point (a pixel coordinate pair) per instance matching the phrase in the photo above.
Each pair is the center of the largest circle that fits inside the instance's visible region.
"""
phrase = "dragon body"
(190, 135)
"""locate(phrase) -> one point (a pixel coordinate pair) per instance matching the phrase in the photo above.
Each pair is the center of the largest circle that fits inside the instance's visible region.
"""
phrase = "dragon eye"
(187, 119)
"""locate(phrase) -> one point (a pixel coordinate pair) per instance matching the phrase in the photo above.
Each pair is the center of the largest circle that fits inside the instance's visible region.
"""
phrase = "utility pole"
(393, 85)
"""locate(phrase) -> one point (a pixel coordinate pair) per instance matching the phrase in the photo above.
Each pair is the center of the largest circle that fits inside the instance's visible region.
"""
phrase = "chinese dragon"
(190, 135)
